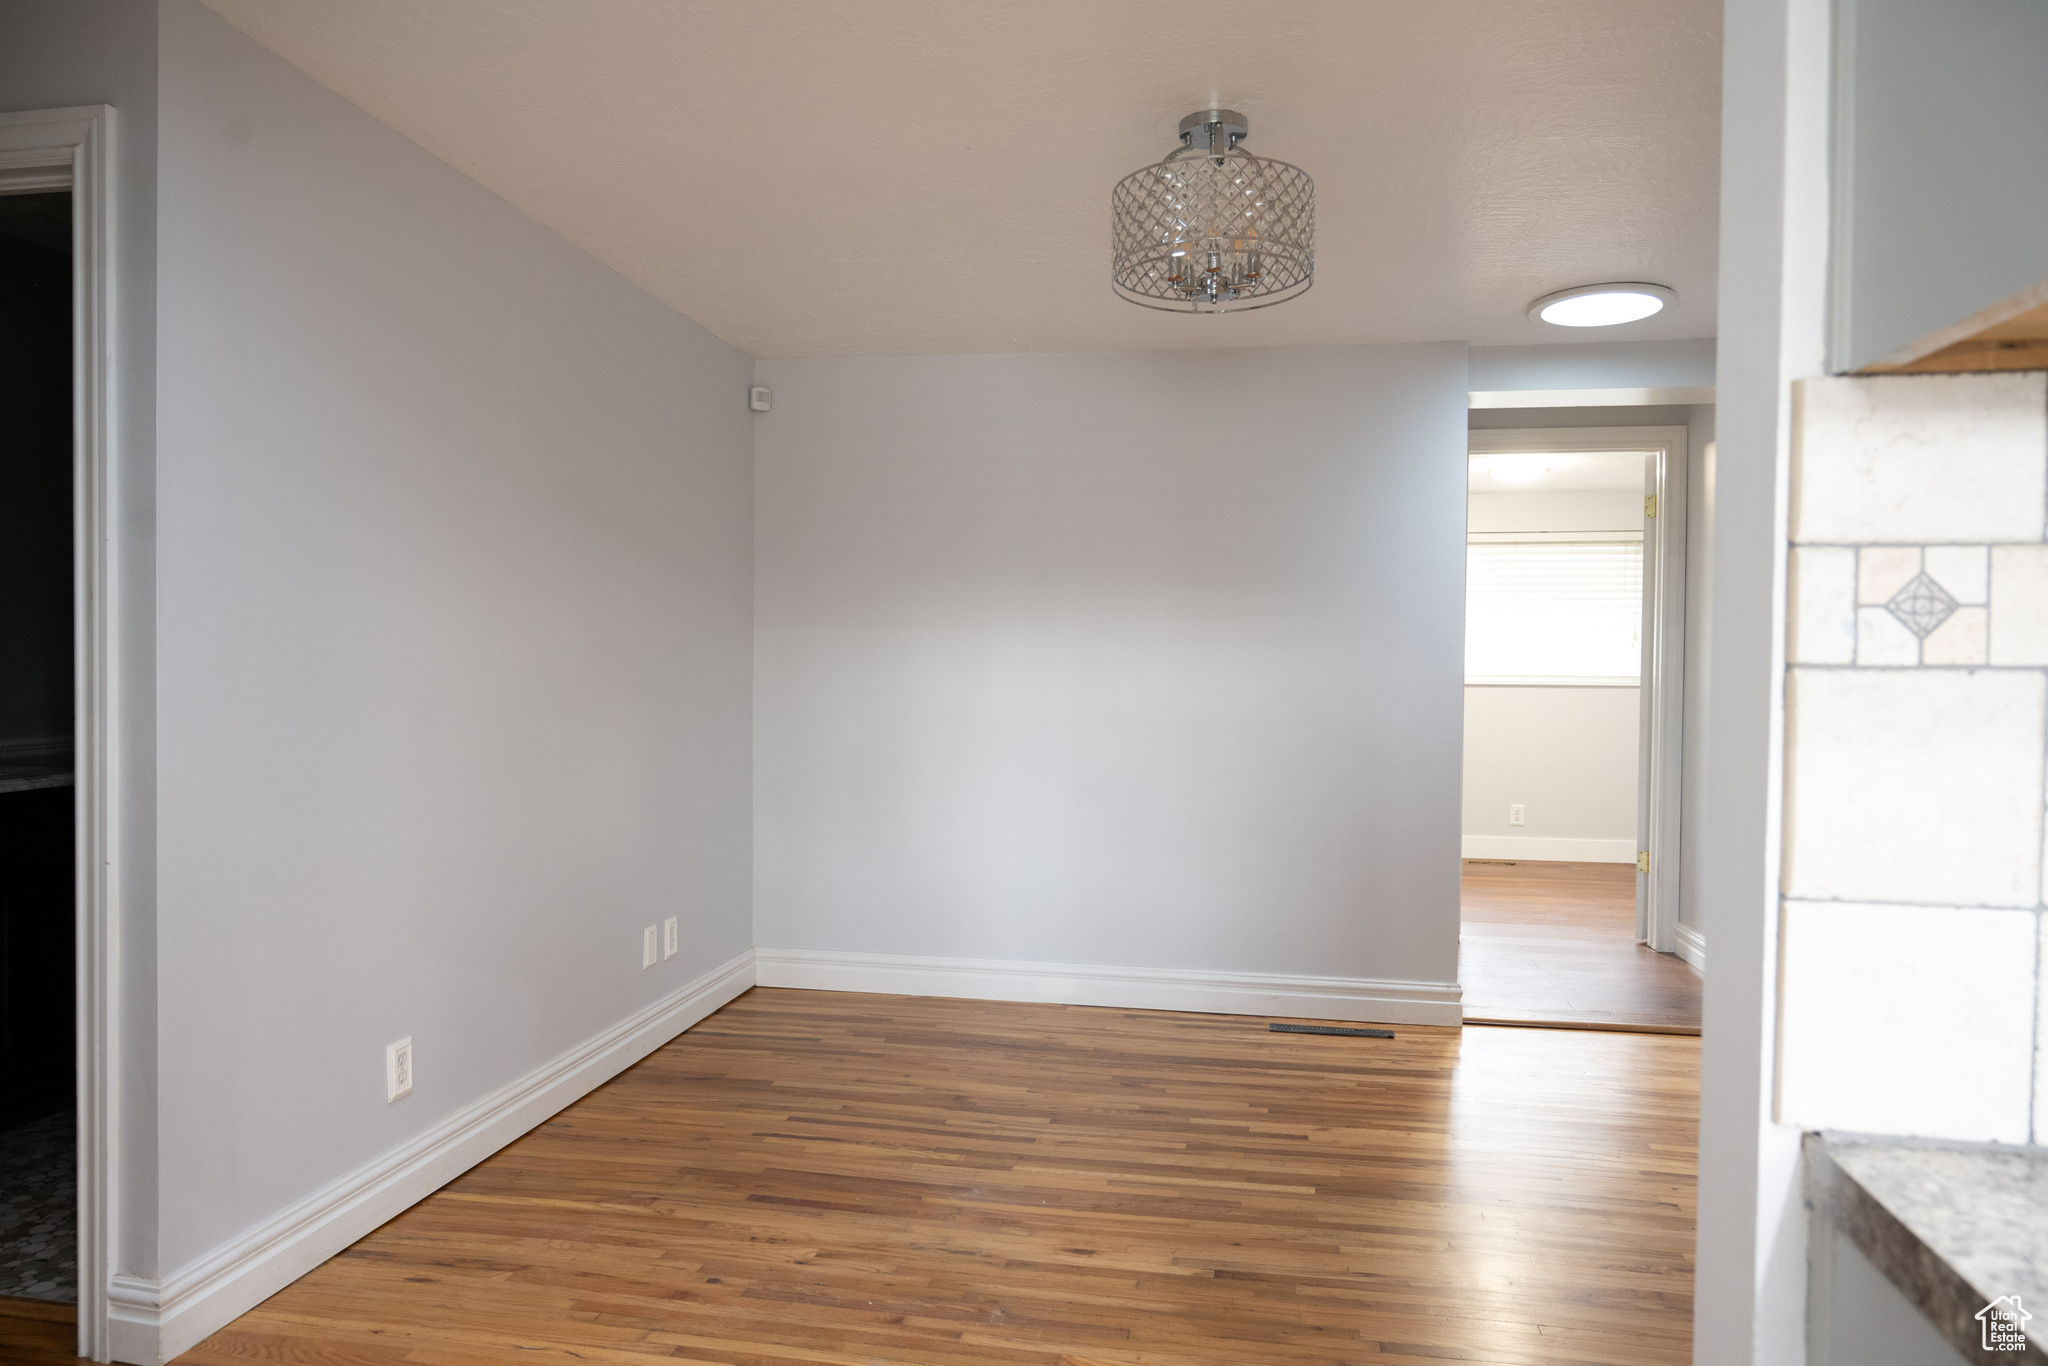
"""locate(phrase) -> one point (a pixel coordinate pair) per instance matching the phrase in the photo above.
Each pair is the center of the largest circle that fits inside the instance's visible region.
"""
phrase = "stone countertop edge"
(1914, 1250)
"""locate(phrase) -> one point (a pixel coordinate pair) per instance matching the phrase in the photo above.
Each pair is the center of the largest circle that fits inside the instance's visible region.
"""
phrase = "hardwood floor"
(830, 1179)
(35, 1333)
(1554, 943)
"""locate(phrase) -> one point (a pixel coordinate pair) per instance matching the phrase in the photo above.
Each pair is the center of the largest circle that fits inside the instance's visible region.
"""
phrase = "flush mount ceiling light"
(1602, 305)
(1212, 229)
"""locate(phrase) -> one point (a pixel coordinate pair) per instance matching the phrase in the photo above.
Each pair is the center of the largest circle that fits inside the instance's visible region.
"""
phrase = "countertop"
(1952, 1225)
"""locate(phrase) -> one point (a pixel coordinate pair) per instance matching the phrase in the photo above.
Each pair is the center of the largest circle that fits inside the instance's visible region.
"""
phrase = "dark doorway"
(38, 1149)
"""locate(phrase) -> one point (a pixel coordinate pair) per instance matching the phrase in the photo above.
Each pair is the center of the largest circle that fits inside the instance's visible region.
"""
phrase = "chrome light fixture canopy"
(1213, 229)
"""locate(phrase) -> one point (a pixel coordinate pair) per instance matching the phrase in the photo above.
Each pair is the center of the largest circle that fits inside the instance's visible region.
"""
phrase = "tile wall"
(1916, 713)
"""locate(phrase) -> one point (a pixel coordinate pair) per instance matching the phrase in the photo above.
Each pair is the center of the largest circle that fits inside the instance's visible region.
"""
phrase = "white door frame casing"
(71, 149)
(1662, 715)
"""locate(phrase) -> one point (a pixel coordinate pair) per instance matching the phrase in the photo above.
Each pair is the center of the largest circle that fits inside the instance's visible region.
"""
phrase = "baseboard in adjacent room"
(1692, 947)
(1228, 993)
(1539, 849)
(152, 1322)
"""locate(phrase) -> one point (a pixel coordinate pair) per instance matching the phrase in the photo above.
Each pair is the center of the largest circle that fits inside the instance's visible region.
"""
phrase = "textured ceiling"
(888, 177)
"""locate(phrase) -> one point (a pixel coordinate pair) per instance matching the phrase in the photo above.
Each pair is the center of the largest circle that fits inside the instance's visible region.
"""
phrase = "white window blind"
(1554, 611)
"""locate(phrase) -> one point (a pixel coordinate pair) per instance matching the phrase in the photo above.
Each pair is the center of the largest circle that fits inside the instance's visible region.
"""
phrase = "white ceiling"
(825, 177)
(1556, 471)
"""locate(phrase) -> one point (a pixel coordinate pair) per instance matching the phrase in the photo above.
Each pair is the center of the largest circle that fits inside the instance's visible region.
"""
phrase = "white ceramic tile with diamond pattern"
(2019, 604)
(1961, 640)
(1823, 587)
(2040, 1029)
(1882, 570)
(1964, 570)
(1916, 775)
(1909, 1020)
(1914, 785)
(1922, 605)
(1910, 459)
(1882, 639)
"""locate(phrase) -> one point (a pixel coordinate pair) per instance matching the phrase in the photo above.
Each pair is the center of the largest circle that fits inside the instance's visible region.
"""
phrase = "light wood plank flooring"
(1554, 943)
(830, 1179)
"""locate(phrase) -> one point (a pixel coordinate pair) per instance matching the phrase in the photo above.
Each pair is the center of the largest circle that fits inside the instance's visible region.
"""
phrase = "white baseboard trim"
(152, 1322)
(1537, 849)
(1225, 993)
(1692, 947)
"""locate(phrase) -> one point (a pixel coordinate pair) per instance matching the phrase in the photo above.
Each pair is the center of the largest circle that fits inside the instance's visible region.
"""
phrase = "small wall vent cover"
(1344, 1030)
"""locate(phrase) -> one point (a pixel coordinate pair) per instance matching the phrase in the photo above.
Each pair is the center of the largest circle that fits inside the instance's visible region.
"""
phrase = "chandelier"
(1212, 229)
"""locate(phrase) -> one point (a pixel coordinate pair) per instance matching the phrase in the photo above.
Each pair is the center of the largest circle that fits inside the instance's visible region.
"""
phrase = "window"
(1550, 610)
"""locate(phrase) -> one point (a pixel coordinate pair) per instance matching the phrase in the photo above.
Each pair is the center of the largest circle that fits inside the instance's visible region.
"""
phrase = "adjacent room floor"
(38, 1333)
(1555, 943)
(812, 1177)
(38, 1210)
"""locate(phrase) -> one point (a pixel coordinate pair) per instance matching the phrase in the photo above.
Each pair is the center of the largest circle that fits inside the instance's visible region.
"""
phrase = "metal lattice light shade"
(1212, 229)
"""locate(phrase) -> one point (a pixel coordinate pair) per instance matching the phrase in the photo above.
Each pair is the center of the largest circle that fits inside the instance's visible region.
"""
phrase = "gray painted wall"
(1594, 365)
(453, 557)
(1610, 415)
(55, 56)
(1941, 166)
(1567, 756)
(1142, 660)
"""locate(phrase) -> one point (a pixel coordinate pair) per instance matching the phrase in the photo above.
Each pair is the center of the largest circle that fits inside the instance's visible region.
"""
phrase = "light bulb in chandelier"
(1213, 229)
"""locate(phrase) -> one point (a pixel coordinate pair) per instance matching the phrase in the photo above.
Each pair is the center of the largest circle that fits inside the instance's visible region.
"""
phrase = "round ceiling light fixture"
(1602, 305)
(1213, 229)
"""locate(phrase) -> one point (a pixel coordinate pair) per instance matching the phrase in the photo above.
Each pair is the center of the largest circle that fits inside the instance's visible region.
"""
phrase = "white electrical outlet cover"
(1515, 813)
(398, 1070)
(668, 937)
(649, 953)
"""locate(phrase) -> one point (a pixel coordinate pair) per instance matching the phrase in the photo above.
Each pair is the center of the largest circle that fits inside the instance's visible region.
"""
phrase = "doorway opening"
(38, 923)
(1575, 609)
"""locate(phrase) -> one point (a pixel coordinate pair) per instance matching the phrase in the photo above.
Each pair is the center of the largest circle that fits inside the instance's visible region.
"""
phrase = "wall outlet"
(397, 1070)
(650, 947)
(1515, 814)
(668, 937)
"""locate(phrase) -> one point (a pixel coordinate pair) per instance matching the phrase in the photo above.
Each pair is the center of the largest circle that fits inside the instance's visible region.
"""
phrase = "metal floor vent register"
(1332, 1029)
